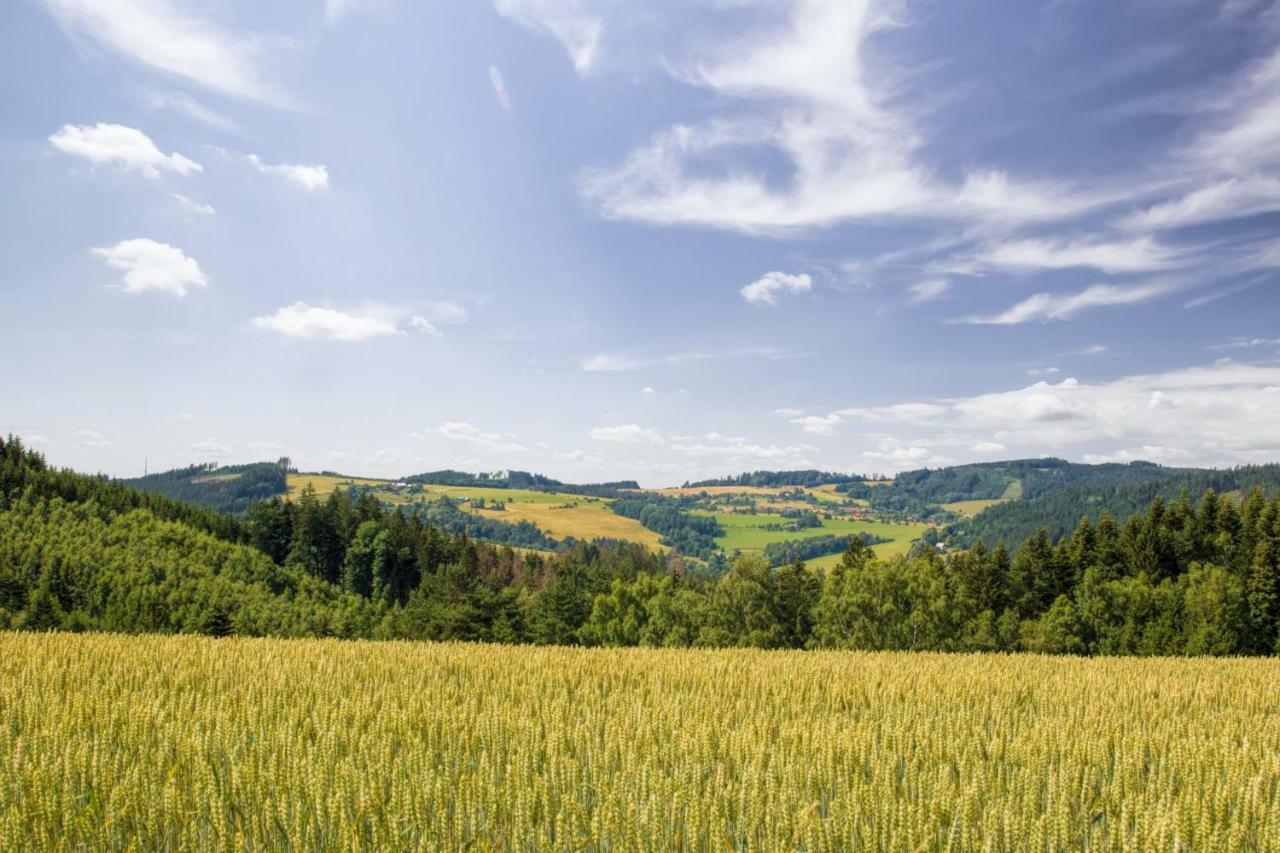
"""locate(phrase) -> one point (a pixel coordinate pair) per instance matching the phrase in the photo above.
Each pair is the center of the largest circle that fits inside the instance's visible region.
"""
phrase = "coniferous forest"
(1188, 576)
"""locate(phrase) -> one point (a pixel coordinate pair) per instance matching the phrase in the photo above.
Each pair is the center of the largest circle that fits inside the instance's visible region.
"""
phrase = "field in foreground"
(161, 742)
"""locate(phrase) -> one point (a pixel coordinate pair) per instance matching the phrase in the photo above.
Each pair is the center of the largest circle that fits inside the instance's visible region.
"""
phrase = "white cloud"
(336, 10)
(566, 20)
(316, 323)
(613, 362)
(766, 289)
(1221, 414)
(211, 448)
(1063, 306)
(499, 87)
(105, 144)
(150, 266)
(92, 439)
(423, 325)
(738, 451)
(927, 291)
(155, 34)
(1142, 254)
(891, 456)
(1043, 371)
(194, 206)
(788, 413)
(466, 433)
(648, 390)
(626, 434)
(309, 178)
(1231, 198)
(1246, 343)
(989, 447)
(810, 96)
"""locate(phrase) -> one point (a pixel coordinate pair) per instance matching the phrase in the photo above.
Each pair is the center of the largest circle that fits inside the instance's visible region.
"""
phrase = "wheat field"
(150, 743)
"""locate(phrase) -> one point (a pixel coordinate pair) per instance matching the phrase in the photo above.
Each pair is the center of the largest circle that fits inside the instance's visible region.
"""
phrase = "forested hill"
(230, 488)
(767, 479)
(1025, 478)
(1058, 512)
(83, 553)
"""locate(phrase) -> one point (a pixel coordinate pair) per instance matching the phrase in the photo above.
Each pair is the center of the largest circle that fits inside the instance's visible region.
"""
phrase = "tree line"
(76, 553)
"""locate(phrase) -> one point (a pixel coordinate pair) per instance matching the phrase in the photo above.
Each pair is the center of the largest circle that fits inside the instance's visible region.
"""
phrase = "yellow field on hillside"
(325, 484)
(151, 743)
(971, 508)
(578, 518)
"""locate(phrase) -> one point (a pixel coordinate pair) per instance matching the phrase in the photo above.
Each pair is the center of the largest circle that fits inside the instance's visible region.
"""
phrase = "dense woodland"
(231, 488)
(80, 553)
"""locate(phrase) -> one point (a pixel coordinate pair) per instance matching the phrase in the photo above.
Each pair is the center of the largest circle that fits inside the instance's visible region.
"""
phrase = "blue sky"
(663, 240)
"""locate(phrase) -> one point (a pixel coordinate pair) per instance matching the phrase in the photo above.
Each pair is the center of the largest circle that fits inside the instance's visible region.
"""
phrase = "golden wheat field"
(152, 743)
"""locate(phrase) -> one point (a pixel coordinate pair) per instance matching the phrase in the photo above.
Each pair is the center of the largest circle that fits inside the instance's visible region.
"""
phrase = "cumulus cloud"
(1220, 414)
(766, 289)
(150, 267)
(160, 36)
(567, 20)
(318, 323)
(626, 434)
(1062, 306)
(467, 433)
(105, 144)
(309, 178)
(739, 451)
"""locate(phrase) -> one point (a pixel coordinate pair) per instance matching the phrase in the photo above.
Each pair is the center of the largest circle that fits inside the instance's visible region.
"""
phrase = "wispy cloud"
(193, 206)
(1246, 343)
(117, 145)
(1063, 306)
(626, 434)
(567, 20)
(608, 362)
(153, 267)
(929, 290)
(1142, 254)
(467, 433)
(499, 87)
(766, 289)
(306, 177)
(157, 35)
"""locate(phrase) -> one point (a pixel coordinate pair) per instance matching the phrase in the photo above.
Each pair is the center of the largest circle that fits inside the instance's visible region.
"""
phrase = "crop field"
(581, 518)
(747, 532)
(113, 742)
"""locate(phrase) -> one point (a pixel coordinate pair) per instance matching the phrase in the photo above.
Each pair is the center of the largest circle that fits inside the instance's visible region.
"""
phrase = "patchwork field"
(746, 532)
(162, 743)
(562, 515)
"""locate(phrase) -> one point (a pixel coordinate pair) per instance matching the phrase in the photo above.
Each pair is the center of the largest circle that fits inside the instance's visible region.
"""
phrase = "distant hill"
(1121, 496)
(517, 480)
(767, 479)
(230, 488)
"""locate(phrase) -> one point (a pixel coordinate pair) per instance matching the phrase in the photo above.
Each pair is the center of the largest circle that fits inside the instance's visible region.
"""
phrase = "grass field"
(747, 533)
(970, 508)
(151, 743)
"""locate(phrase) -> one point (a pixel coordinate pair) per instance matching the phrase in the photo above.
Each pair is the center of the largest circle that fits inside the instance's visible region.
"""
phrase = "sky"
(663, 241)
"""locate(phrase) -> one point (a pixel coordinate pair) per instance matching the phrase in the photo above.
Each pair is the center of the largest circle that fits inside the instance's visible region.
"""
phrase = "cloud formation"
(1063, 306)
(766, 289)
(626, 434)
(157, 35)
(317, 323)
(567, 20)
(153, 267)
(105, 144)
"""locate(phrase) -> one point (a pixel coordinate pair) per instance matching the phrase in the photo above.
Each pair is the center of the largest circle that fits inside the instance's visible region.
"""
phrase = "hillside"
(229, 488)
